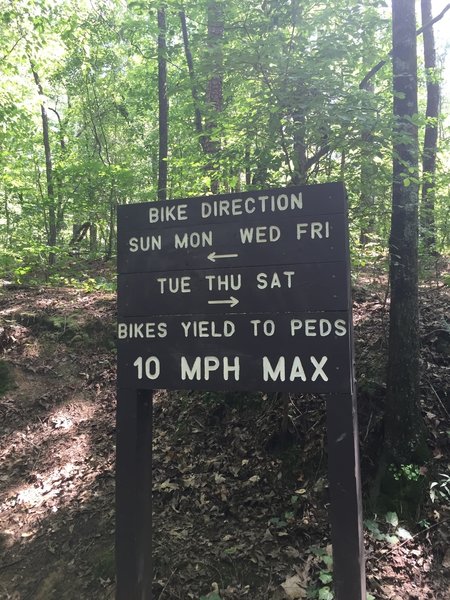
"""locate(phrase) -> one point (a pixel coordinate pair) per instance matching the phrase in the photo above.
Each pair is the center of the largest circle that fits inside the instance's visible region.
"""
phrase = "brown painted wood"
(268, 241)
(345, 492)
(288, 288)
(231, 338)
(133, 494)
(323, 199)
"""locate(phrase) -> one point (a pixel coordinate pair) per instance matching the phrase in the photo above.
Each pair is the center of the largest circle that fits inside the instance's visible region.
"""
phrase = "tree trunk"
(428, 230)
(194, 91)
(214, 98)
(93, 238)
(404, 430)
(163, 106)
(7, 219)
(52, 213)
(368, 178)
(214, 91)
(111, 225)
(300, 155)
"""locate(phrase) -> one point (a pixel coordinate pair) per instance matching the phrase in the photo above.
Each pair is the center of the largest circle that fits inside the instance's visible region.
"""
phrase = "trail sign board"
(244, 291)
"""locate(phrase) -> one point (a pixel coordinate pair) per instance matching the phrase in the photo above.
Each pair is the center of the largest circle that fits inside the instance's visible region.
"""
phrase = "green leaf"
(325, 577)
(404, 534)
(392, 519)
(325, 594)
(372, 526)
(392, 539)
(328, 560)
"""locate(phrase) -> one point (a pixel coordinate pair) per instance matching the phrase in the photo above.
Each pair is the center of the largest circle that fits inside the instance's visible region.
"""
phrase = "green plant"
(98, 284)
(440, 490)
(387, 531)
(408, 472)
(322, 589)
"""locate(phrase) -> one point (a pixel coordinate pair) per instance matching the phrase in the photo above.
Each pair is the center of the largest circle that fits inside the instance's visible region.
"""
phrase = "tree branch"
(363, 84)
(380, 65)
(11, 50)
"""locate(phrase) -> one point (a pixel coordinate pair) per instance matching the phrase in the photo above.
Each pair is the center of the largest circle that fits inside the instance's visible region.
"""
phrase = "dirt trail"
(56, 450)
(235, 503)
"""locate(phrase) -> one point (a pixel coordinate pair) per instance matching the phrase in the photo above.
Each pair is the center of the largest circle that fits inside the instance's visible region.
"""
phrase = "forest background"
(260, 94)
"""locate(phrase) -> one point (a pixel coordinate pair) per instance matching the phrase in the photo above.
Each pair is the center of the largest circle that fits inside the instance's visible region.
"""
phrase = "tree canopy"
(298, 104)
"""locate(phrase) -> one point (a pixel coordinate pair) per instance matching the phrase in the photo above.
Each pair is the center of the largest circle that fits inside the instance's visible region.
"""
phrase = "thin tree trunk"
(214, 96)
(52, 216)
(428, 229)
(7, 219)
(60, 206)
(163, 106)
(404, 441)
(368, 176)
(92, 237)
(111, 225)
(300, 157)
(194, 90)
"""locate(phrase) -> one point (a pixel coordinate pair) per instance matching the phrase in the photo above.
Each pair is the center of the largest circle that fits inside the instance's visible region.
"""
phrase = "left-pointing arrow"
(213, 256)
(232, 301)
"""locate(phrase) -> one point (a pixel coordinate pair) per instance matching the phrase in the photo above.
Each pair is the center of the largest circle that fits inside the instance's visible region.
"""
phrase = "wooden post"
(346, 504)
(134, 495)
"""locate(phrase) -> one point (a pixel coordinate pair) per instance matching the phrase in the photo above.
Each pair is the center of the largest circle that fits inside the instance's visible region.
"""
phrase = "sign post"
(245, 291)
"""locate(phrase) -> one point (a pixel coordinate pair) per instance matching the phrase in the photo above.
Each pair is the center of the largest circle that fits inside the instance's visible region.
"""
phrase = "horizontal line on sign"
(241, 314)
(213, 267)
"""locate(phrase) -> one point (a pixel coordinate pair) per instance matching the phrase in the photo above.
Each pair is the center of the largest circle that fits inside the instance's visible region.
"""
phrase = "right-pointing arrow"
(232, 301)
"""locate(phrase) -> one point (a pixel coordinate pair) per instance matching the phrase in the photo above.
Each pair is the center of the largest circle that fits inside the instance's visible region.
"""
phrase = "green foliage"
(322, 590)
(440, 489)
(25, 263)
(405, 472)
(388, 530)
(293, 112)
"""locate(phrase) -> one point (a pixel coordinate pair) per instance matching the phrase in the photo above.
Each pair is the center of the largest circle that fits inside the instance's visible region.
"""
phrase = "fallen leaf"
(293, 588)
(168, 485)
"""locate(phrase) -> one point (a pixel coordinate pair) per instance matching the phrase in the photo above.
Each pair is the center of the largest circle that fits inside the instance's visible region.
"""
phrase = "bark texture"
(428, 229)
(191, 71)
(51, 220)
(214, 94)
(403, 423)
(163, 106)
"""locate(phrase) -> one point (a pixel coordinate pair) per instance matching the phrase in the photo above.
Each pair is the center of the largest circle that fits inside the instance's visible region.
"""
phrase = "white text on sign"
(263, 234)
(211, 328)
(200, 368)
(225, 282)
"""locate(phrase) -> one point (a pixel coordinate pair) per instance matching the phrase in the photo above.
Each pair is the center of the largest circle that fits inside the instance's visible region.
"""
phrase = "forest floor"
(236, 503)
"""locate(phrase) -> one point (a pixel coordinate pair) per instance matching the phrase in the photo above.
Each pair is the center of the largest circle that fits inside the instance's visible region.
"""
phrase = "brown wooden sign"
(244, 291)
